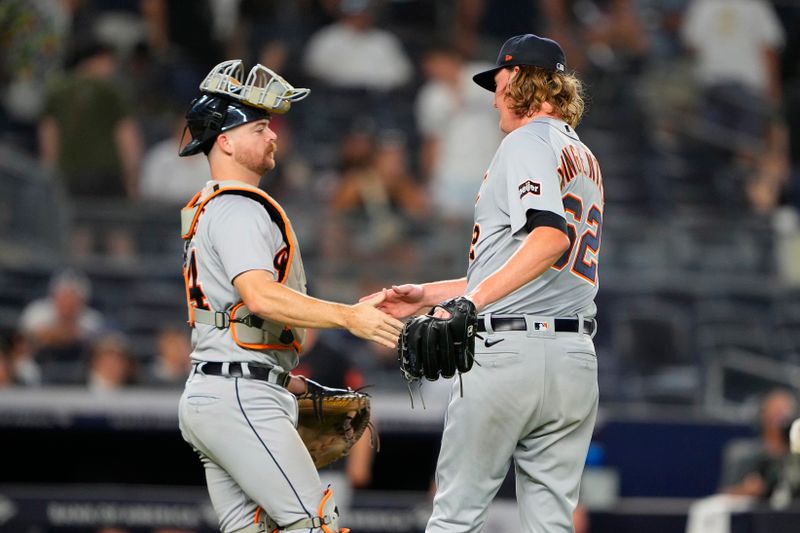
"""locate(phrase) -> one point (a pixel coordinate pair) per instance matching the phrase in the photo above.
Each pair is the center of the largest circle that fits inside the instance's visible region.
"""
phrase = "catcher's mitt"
(433, 347)
(331, 421)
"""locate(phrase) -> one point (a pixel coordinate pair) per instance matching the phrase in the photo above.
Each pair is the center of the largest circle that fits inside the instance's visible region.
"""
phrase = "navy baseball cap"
(530, 50)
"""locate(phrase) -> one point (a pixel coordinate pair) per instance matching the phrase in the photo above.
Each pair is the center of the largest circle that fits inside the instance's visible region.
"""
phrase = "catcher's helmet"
(228, 101)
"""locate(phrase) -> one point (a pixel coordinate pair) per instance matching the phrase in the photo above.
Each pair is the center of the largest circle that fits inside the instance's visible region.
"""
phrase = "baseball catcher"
(439, 343)
(249, 309)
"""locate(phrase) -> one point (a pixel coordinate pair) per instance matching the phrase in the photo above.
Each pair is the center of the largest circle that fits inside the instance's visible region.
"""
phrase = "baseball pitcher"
(245, 287)
(531, 396)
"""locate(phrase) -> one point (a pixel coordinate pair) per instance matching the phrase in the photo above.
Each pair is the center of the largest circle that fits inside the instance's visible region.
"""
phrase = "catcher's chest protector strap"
(248, 330)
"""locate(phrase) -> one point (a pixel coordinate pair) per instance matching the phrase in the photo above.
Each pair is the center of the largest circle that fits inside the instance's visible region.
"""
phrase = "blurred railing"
(34, 218)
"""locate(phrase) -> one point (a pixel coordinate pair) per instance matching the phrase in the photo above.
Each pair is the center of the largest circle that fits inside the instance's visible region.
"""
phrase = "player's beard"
(259, 162)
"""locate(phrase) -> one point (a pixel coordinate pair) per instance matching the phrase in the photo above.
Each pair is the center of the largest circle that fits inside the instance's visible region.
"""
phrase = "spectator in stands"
(26, 370)
(171, 365)
(752, 467)
(753, 470)
(110, 366)
(377, 180)
(169, 178)
(6, 368)
(450, 108)
(482, 26)
(736, 46)
(33, 36)
(376, 187)
(87, 132)
(615, 37)
(772, 170)
(150, 84)
(60, 326)
(173, 29)
(352, 54)
(357, 68)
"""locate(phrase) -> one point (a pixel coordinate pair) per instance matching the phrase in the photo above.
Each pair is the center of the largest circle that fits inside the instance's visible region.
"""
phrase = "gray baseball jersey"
(234, 235)
(244, 430)
(532, 396)
(544, 166)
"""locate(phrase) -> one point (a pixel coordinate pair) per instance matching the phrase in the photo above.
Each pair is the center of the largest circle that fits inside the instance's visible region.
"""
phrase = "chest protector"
(248, 330)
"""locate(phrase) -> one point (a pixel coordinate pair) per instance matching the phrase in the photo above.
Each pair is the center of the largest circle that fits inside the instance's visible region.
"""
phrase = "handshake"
(439, 343)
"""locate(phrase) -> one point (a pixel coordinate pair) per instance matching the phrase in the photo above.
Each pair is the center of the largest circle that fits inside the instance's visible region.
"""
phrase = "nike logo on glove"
(491, 342)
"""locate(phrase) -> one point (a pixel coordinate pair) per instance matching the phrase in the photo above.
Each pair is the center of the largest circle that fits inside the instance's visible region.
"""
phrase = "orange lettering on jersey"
(575, 161)
(578, 160)
(281, 262)
(567, 170)
(590, 162)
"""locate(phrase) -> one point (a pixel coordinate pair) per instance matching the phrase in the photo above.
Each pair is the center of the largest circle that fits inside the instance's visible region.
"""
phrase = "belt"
(270, 374)
(518, 323)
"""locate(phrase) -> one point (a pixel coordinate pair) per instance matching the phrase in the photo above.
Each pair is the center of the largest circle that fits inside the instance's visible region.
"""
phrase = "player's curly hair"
(532, 86)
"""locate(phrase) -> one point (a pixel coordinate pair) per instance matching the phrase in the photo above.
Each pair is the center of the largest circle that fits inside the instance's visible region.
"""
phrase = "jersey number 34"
(584, 265)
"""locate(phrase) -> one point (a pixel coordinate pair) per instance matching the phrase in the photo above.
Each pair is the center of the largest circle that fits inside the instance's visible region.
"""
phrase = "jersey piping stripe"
(241, 408)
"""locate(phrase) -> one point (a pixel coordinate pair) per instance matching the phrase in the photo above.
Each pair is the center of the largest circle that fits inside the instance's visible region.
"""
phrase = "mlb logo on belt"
(540, 326)
(530, 187)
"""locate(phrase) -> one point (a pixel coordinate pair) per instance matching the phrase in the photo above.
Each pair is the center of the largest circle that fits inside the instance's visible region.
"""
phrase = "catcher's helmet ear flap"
(204, 119)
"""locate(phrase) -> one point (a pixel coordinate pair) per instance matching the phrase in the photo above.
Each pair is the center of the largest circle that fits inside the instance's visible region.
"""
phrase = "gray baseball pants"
(244, 431)
(531, 398)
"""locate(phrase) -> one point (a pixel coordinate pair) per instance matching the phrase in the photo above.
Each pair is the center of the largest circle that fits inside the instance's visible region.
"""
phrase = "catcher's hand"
(431, 345)
(331, 421)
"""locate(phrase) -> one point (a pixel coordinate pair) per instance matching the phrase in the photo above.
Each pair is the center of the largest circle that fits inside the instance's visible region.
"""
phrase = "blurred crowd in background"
(693, 113)
(694, 110)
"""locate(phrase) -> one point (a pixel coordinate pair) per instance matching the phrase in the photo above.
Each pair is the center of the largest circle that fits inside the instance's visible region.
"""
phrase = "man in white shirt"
(62, 318)
(169, 178)
(459, 128)
(735, 41)
(353, 54)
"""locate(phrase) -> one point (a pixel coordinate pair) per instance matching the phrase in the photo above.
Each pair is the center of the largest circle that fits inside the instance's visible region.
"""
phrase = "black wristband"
(537, 218)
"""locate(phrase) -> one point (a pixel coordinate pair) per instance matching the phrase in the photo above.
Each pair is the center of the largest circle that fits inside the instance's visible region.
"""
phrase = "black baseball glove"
(431, 347)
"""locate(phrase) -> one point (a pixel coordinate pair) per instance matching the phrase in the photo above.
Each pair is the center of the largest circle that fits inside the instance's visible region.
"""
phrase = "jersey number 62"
(584, 265)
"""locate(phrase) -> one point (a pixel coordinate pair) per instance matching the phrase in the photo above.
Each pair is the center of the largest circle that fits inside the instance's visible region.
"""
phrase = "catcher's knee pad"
(326, 521)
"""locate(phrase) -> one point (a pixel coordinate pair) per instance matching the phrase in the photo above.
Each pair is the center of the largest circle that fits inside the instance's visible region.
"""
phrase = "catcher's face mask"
(263, 88)
(229, 100)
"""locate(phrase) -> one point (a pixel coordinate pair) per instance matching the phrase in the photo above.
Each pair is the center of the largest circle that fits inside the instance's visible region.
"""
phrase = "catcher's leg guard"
(327, 519)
